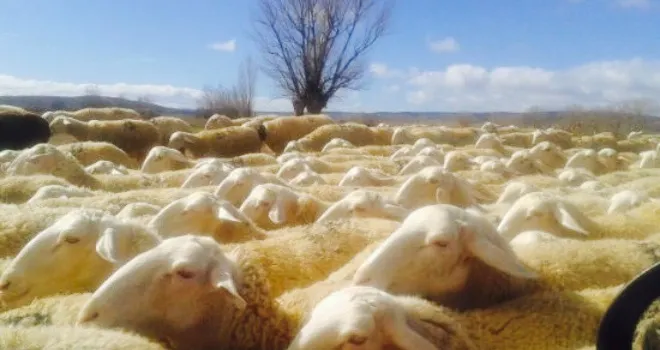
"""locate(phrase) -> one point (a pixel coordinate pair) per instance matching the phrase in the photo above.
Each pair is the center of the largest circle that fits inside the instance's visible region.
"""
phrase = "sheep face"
(522, 163)
(179, 140)
(285, 157)
(431, 253)
(404, 151)
(549, 154)
(515, 190)
(308, 178)
(292, 146)
(360, 177)
(336, 143)
(488, 141)
(62, 124)
(359, 318)
(422, 143)
(199, 213)
(363, 204)
(72, 255)
(537, 211)
(161, 158)
(433, 152)
(106, 167)
(293, 167)
(425, 188)
(418, 163)
(270, 204)
(179, 286)
(238, 184)
(457, 161)
(205, 175)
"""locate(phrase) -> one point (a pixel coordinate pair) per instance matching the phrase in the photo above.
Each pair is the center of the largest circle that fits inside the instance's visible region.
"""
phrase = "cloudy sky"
(441, 55)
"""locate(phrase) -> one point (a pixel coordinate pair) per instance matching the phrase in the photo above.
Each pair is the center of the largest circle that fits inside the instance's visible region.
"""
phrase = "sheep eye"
(185, 274)
(72, 240)
(357, 339)
(441, 244)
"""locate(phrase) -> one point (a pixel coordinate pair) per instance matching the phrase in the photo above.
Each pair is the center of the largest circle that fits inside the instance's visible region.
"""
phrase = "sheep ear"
(441, 195)
(225, 214)
(492, 253)
(277, 213)
(403, 336)
(567, 220)
(66, 122)
(110, 247)
(223, 280)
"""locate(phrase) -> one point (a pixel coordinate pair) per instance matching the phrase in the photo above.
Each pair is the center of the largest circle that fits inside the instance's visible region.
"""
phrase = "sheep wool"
(284, 129)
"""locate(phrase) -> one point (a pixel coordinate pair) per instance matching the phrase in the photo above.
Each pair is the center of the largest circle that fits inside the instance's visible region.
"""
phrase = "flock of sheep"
(303, 233)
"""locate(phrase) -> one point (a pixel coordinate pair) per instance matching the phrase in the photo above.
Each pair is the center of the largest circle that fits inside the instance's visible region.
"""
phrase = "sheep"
(358, 176)
(532, 238)
(521, 162)
(559, 137)
(8, 155)
(206, 174)
(515, 190)
(292, 146)
(227, 142)
(548, 154)
(489, 127)
(244, 276)
(457, 161)
(137, 209)
(575, 176)
(63, 337)
(105, 113)
(135, 137)
(491, 141)
(273, 206)
(106, 167)
(516, 139)
(336, 143)
(456, 258)
(648, 160)
(433, 184)
(59, 191)
(362, 203)
(236, 310)
(433, 152)
(217, 121)
(47, 159)
(169, 125)
(547, 212)
(281, 130)
(369, 318)
(50, 263)
(358, 135)
(439, 135)
(418, 163)
(238, 184)
(161, 158)
(609, 159)
(202, 213)
(625, 200)
(90, 152)
(308, 177)
(20, 129)
(377, 320)
(634, 135)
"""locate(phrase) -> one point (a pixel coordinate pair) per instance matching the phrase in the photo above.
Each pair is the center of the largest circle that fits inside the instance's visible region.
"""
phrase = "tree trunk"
(316, 104)
(298, 106)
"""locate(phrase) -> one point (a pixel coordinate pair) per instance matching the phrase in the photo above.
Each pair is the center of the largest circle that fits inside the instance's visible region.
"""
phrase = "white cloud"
(641, 4)
(228, 46)
(379, 69)
(475, 88)
(447, 44)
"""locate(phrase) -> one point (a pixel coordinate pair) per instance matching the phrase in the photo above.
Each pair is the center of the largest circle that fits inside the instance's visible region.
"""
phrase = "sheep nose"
(88, 317)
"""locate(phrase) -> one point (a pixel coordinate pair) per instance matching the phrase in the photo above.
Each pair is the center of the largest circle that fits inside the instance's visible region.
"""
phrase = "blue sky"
(440, 55)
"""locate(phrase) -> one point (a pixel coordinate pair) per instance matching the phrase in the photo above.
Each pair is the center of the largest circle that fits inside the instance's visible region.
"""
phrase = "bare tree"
(234, 102)
(314, 48)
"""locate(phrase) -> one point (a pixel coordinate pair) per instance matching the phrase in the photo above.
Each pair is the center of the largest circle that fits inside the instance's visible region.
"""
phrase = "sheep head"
(540, 211)
(74, 254)
(359, 317)
(177, 291)
(432, 252)
(362, 203)
(276, 203)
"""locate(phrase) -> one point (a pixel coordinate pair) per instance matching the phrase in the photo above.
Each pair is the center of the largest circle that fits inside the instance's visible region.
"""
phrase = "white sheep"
(293, 167)
(106, 167)
(359, 317)
(308, 178)
(625, 200)
(648, 160)
(634, 135)
(609, 159)
(206, 174)
(204, 214)
(137, 209)
(549, 154)
(238, 184)
(489, 127)
(418, 163)
(521, 162)
(433, 152)
(404, 151)
(359, 176)
(363, 203)
(575, 176)
(457, 161)
(273, 206)
(433, 253)
(74, 254)
(435, 185)
(161, 158)
(532, 238)
(586, 159)
(490, 141)
(292, 146)
(336, 143)
(515, 190)
(59, 191)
